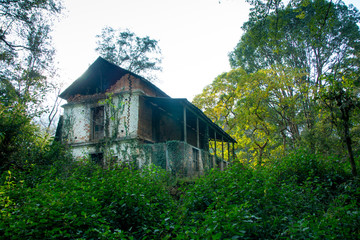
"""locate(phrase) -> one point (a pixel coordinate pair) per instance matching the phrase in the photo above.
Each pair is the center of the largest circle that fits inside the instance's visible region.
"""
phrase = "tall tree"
(25, 46)
(341, 98)
(258, 109)
(298, 48)
(25, 63)
(318, 37)
(140, 55)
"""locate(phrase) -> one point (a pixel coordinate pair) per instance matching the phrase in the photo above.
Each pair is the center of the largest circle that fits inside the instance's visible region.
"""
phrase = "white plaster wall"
(117, 123)
(79, 115)
(122, 129)
(77, 123)
(82, 151)
(134, 115)
(127, 152)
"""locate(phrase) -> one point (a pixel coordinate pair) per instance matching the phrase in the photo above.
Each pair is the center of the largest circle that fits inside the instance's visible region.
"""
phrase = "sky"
(195, 37)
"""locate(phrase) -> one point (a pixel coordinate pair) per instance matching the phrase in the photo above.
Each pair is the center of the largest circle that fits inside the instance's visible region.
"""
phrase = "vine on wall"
(174, 156)
(68, 127)
(127, 151)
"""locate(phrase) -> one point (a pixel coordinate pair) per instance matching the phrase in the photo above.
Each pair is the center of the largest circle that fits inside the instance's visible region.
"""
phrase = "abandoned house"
(113, 115)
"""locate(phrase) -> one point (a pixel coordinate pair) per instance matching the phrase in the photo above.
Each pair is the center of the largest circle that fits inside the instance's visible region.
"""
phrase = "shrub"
(90, 203)
(291, 198)
(303, 196)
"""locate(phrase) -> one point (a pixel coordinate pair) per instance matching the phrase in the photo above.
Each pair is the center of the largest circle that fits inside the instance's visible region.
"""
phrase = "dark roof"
(101, 75)
(173, 104)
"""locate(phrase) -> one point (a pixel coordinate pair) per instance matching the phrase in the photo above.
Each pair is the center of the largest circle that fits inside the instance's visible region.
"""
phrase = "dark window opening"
(98, 122)
(97, 158)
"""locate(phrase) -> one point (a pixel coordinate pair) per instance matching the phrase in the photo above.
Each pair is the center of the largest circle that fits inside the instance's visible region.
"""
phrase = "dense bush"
(301, 196)
(86, 202)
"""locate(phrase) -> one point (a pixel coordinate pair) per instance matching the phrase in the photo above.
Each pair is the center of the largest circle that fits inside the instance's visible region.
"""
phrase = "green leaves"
(320, 41)
(292, 197)
(299, 196)
(261, 110)
(287, 58)
(140, 55)
(26, 51)
(90, 203)
(25, 63)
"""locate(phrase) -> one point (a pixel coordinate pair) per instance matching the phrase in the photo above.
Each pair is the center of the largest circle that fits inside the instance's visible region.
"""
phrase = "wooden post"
(185, 137)
(222, 148)
(197, 133)
(233, 151)
(206, 138)
(215, 143)
(222, 153)
(228, 148)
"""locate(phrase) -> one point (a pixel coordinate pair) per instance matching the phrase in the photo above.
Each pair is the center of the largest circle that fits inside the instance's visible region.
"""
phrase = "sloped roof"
(99, 77)
(173, 104)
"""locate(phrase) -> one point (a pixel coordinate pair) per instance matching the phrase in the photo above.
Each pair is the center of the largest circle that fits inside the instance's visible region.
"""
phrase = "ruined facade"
(114, 116)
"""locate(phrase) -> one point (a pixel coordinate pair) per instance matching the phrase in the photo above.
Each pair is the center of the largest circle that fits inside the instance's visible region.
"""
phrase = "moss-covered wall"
(178, 158)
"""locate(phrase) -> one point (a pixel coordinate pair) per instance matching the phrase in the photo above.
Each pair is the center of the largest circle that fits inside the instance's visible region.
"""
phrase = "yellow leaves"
(348, 83)
(301, 15)
(253, 105)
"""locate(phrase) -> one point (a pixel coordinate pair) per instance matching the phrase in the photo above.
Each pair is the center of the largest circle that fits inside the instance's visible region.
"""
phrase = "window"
(97, 120)
(97, 158)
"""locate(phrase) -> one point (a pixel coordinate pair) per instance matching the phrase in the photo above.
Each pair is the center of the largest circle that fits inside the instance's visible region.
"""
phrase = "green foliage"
(260, 110)
(25, 63)
(302, 196)
(25, 48)
(294, 82)
(318, 36)
(86, 201)
(140, 55)
(301, 166)
(341, 98)
(22, 144)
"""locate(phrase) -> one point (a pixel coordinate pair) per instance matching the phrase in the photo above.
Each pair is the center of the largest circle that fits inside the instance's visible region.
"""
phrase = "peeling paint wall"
(78, 124)
(76, 127)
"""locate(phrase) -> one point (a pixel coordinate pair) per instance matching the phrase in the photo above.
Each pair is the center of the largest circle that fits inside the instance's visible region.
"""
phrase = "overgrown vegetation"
(26, 55)
(294, 83)
(294, 86)
(301, 196)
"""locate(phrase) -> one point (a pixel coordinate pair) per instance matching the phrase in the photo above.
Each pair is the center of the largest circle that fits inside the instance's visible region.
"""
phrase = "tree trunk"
(346, 125)
(351, 156)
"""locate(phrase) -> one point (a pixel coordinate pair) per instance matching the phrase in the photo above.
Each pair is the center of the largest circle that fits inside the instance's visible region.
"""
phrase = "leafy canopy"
(25, 65)
(25, 48)
(288, 63)
(140, 55)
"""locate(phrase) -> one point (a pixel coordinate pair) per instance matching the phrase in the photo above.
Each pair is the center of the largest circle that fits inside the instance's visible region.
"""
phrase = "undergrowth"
(300, 196)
